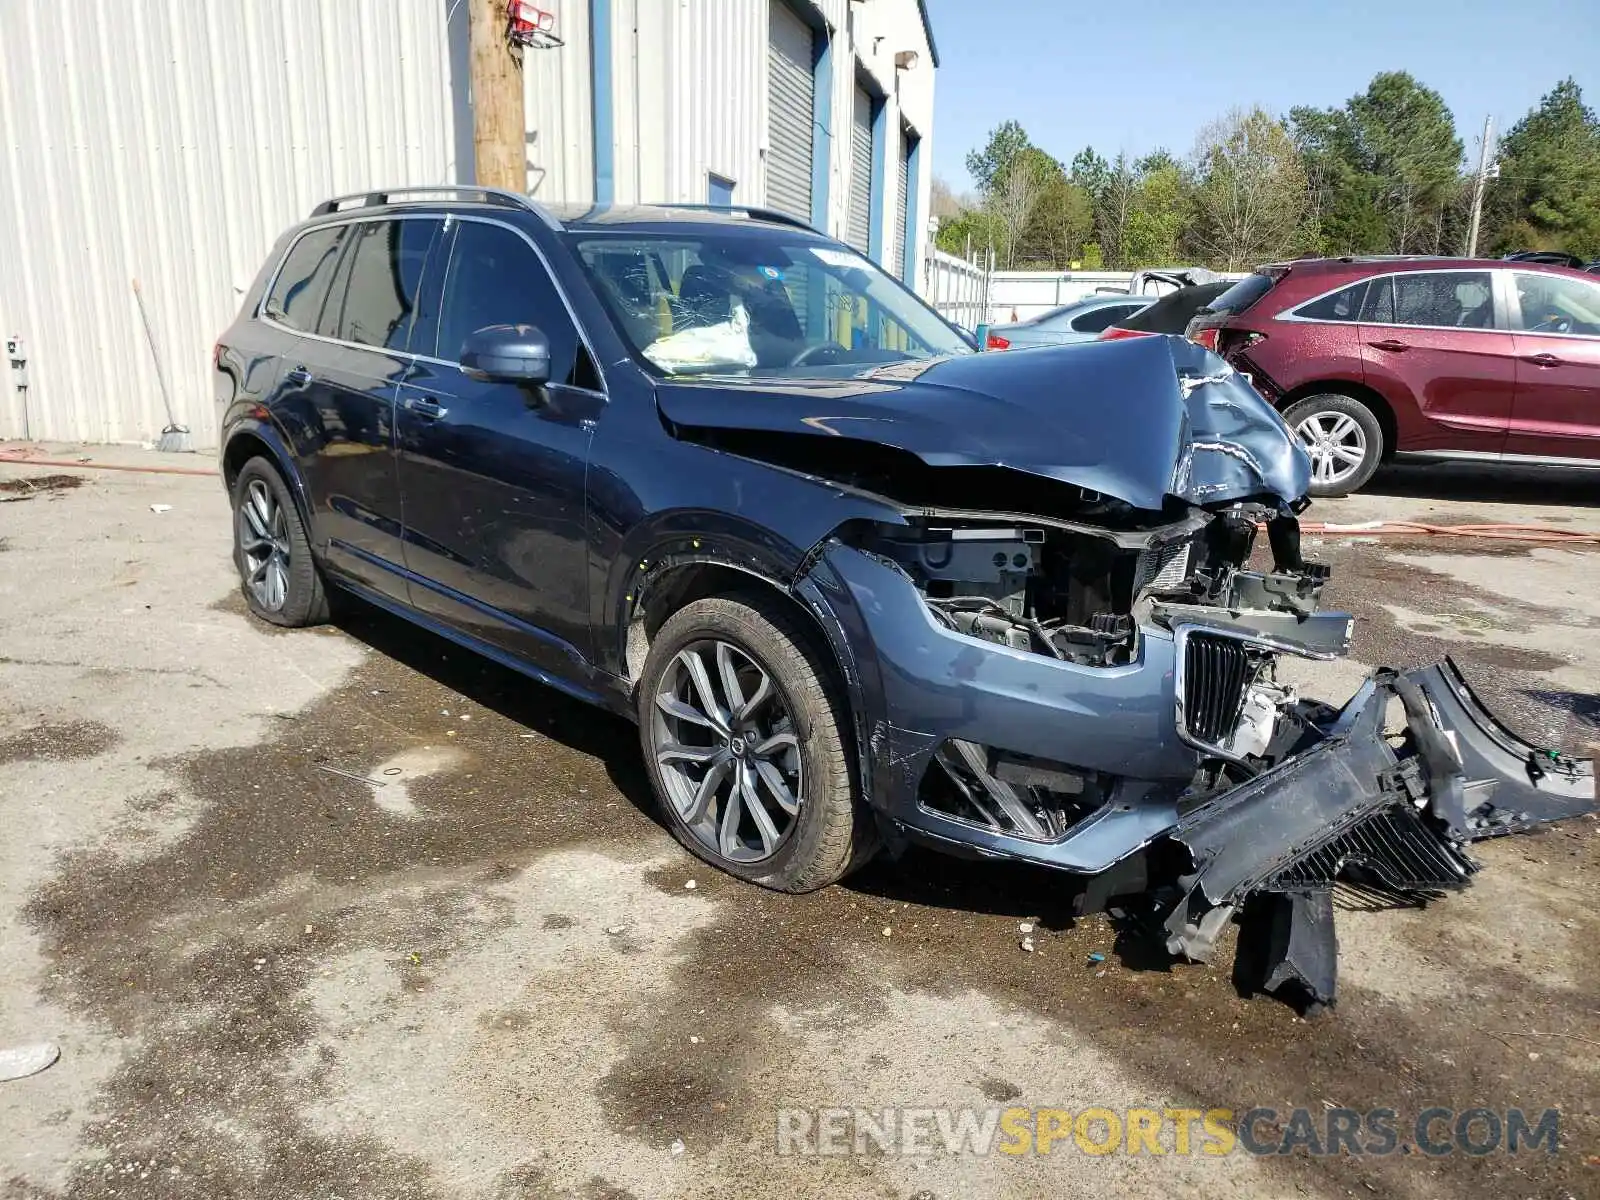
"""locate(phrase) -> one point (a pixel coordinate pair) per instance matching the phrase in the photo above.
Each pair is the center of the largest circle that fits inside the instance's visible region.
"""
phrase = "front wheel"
(747, 746)
(1343, 439)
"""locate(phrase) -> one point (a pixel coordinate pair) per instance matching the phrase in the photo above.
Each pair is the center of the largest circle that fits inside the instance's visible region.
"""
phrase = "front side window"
(756, 301)
(1556, 304)
(495, 278)
(376, 297)
(301, 287)
(1442, 299)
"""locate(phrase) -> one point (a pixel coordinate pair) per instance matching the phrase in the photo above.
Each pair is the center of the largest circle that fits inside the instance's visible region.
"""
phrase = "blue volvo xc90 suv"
(857, 584)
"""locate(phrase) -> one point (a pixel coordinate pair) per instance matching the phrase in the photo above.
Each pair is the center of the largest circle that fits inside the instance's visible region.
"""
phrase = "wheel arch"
(253, 439)
(1369, 397)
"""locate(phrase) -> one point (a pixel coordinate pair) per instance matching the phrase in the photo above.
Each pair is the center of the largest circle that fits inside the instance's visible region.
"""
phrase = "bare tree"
(1253, 194)
(1013, 196)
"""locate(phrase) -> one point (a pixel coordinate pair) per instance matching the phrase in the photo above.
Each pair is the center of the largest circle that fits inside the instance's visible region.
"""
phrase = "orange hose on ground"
(24, 461)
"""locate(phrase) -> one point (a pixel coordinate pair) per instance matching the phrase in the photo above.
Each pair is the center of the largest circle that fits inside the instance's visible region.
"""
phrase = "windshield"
(756, 301)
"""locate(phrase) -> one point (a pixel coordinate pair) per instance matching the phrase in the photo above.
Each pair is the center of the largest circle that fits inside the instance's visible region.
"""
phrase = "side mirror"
(507, 354)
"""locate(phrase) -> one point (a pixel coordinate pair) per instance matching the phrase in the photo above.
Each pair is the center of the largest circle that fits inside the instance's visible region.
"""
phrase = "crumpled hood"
(1129, 418)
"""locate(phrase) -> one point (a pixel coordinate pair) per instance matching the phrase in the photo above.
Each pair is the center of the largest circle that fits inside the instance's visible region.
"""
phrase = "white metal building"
(171, 146)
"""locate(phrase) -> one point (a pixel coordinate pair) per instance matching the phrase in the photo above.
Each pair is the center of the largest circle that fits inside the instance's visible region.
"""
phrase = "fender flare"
(268, 434)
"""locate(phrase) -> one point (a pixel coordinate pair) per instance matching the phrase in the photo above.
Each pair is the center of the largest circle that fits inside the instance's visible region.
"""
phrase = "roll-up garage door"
(902, 203)
(790, 90)
(858, 228)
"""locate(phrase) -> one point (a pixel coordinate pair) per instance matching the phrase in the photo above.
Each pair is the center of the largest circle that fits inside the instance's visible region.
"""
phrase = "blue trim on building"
(821, 127)
(927, 28)
(601, 99)
(908, 272)
(880, 141)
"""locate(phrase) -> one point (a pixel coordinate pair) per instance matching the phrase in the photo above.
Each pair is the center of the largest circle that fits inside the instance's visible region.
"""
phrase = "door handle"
(298, 376)
(1542, 360)
(1390, 344)
(424, 407)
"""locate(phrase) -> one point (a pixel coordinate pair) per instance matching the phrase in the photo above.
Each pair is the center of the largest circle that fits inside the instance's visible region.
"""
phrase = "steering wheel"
(1553, 325)
(821, 355)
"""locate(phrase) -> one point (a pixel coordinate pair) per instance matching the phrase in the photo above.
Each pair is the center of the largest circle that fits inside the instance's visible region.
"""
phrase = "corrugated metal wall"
(171, 145)
(558, 108)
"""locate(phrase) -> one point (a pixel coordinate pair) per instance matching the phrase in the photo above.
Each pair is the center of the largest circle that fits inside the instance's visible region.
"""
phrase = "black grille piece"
(1390, 853)
(1216, 671)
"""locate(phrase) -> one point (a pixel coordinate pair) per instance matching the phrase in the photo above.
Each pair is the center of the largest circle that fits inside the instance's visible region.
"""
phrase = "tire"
(1332, 428)
(278, 576)
(832, 832)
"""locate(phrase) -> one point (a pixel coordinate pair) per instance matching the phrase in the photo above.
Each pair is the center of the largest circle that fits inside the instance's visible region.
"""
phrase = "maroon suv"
(1374, 359)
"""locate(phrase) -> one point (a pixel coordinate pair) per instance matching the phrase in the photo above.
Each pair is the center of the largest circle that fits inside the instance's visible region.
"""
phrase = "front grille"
(1216, 672)
(1390, 854)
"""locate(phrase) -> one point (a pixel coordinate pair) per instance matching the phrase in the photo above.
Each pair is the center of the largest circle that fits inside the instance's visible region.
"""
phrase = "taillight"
(996, 342)
(1206, 338)
(1113, 333)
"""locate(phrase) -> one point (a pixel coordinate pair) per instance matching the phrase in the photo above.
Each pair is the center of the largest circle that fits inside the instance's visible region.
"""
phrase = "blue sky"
(1149, 73)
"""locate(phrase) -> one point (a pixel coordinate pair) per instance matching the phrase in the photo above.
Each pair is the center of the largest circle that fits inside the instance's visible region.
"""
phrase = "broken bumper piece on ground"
(1390, 821)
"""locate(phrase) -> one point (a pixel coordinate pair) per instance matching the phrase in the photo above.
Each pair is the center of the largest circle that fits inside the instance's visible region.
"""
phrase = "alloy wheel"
(263, 534)
(1336, 444)
(724, 740)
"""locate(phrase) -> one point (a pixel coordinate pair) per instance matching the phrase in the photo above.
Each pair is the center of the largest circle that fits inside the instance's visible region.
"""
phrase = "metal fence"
(958, 289)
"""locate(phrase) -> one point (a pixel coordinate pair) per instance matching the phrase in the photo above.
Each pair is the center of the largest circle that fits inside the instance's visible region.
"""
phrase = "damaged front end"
(1061, 634)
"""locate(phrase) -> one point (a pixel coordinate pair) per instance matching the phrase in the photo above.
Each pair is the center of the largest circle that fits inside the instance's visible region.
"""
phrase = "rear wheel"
(277, 574)
(746, 745)
(1342, 437)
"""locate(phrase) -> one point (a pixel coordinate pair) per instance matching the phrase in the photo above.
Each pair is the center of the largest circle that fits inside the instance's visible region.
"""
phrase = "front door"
(1431, 345)
(1556, 413)
(492, 474)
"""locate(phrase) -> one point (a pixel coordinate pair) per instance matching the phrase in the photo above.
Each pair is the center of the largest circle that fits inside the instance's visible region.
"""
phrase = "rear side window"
(380, 283)
(1343, 305)
(1444, 299)
(496, 279)
(302, 283)
(1243, 294)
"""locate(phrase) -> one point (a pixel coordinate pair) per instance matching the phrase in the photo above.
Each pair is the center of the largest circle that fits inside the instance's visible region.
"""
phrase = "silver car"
(1080, 321)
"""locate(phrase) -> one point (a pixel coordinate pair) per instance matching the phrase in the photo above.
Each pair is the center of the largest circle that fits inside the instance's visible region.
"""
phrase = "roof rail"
(760, 214)
(484, 195)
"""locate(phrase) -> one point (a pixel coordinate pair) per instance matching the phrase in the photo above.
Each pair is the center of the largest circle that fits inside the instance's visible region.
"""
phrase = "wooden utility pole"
(498, 130)
(1485, 165)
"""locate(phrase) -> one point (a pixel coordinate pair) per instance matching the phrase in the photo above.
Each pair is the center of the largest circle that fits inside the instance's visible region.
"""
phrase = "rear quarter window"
(1343, 305)
(301, 287)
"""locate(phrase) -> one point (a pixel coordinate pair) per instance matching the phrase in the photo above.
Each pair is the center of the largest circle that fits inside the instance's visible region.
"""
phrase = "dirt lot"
(489, 978)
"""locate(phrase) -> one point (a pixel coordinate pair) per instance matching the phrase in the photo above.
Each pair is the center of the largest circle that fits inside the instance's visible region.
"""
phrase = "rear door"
(357, 370)
(1556, 413)
(1432, 345)
(492, 474)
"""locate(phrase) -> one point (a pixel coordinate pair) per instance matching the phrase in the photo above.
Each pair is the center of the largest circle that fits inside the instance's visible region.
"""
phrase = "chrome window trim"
(445, 219)
(1290, 315)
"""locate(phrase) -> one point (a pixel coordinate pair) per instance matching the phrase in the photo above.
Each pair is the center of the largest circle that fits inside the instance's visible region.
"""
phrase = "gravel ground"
(490, 978)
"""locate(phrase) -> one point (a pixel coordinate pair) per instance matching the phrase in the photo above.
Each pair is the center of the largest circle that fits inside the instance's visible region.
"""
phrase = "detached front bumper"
(1350, 804)
(1358, 811)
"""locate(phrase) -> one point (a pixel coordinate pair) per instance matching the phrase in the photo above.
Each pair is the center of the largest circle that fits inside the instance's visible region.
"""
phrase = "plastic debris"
(160, 508)
(1097, 957)
(677, 1147)
(18, 1062)
(1026, 926)
(887, 930)
(690, 885)
(1027, 944)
